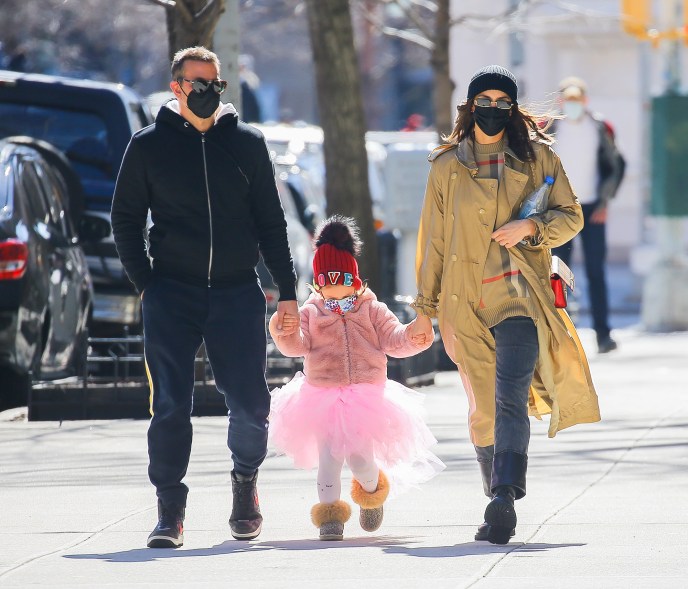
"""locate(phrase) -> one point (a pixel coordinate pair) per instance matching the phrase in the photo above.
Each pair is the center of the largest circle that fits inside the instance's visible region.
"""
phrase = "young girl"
(343, 409)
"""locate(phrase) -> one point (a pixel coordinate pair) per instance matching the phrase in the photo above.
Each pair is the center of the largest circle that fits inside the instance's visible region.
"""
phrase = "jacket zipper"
(210, 210)
(348, 354)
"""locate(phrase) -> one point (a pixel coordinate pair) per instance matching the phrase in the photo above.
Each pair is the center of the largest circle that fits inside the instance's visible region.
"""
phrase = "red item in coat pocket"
(561, 278)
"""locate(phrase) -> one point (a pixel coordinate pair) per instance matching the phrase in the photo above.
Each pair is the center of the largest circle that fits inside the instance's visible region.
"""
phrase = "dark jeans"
(231, 321)
(516, 343)
(594, 241)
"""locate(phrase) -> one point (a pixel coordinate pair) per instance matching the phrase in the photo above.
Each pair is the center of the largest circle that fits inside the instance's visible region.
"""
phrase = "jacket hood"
(169, 114)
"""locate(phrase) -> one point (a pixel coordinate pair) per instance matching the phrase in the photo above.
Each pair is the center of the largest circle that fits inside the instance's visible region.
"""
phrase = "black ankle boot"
(246, 520)
(169, 533)
(500, 516)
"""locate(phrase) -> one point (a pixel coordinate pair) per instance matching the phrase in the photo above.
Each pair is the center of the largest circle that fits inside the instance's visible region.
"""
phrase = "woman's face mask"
(573, 109)
(341, 306)
(491, 120)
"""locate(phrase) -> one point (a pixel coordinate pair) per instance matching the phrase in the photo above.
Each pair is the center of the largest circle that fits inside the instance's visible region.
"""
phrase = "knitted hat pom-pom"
(340, 232)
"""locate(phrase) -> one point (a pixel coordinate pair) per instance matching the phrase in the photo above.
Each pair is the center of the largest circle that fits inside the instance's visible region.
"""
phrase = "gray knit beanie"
(493, 77)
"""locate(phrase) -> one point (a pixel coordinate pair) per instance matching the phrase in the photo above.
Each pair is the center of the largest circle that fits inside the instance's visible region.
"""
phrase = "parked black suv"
(91, 122)
(45, 288)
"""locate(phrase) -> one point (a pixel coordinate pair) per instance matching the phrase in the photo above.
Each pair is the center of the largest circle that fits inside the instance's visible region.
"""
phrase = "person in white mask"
(586, 145)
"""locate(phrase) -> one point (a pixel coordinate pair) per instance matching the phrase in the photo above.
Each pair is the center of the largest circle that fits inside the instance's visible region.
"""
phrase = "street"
(606, 503)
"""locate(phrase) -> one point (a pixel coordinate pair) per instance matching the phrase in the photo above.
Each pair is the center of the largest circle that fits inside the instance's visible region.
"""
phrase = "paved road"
(606, 507)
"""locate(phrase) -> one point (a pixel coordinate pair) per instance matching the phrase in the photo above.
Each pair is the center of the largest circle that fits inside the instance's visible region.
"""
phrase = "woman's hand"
(514, 232)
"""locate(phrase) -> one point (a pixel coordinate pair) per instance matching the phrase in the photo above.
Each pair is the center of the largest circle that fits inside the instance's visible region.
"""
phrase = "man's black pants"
(593, 239)
(231, 321)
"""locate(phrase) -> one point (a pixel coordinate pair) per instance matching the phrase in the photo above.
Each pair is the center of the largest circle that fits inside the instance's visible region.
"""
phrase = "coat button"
(482, 211)
(453, 258)
(452, 216)
(453, 176)
(543, 281)
(455, 297)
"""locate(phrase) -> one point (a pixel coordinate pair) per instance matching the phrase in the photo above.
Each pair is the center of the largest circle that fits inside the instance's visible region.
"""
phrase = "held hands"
(288, 318)
(420, 331)
(514, 232)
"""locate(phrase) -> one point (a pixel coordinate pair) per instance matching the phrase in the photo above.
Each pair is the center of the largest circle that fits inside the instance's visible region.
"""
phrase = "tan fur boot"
(330, 518)
(371, 514)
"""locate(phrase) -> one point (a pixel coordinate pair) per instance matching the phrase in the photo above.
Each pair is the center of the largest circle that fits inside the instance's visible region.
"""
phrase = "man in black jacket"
(208, 183)
(586, 145)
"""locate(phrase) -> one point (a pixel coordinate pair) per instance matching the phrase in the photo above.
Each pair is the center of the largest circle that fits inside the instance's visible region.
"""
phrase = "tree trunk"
(343, 122)
(191, 23)
(443, 87)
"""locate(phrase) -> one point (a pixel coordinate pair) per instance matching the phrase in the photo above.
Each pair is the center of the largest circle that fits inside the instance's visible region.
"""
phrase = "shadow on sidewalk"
(235, 546)
(473, 549)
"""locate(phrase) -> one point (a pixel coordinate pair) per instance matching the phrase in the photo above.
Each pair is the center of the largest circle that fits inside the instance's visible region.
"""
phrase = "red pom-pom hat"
(332, 265)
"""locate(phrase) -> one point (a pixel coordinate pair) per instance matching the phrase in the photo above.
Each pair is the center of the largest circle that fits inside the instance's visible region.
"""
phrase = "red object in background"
(415, 122)
(13, 257)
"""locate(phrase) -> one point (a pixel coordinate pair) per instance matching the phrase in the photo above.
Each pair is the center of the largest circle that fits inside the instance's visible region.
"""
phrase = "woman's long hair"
(522, 128)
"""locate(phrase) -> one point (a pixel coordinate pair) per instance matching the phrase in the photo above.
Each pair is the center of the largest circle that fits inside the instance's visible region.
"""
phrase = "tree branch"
(185, 11)
(374, 20)
(414, 17)
(167, 4)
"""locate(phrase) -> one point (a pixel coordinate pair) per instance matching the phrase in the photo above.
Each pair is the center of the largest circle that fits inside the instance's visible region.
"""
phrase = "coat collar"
(465, 154)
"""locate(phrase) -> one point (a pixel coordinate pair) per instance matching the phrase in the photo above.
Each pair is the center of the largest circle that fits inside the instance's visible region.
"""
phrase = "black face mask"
(491, 120)
(203, 104)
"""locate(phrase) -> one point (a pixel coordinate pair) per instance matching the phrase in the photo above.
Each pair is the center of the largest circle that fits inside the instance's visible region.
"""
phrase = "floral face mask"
(341, 306)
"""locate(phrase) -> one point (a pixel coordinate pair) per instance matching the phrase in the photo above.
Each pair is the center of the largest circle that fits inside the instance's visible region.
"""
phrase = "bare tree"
(190, 22)
(343, 122)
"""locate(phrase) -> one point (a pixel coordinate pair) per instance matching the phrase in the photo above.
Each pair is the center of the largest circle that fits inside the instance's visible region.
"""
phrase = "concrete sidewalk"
(606, 504)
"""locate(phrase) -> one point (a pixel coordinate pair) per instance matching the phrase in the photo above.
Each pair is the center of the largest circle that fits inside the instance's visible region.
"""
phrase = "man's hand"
(288, 318)
(599, 215)
(420, 332)
(514, 232)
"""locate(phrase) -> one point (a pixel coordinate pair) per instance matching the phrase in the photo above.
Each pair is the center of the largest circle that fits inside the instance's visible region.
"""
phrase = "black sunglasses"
(485, 102)
(200, 85)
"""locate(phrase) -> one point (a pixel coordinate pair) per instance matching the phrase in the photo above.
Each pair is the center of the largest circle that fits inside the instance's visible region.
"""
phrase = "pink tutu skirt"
(385, 420)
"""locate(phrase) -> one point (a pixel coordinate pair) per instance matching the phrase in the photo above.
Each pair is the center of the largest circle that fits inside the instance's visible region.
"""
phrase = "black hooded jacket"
(213, 204)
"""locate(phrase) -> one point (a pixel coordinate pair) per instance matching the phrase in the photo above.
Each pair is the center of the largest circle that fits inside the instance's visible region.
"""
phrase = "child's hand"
(420, 331)
(287, 319)
(289, 324)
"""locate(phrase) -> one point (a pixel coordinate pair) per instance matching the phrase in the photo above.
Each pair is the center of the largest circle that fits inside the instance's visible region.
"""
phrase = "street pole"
(665, 292)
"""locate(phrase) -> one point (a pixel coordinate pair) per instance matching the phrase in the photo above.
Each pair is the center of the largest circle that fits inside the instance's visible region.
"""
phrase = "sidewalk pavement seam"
(603, 476)
(92, 535)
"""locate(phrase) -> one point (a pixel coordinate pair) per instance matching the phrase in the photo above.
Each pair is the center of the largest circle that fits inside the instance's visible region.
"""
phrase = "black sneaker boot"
(483, 533)
(500, 516)
(169, 533)
(245, 521)
(605, 344)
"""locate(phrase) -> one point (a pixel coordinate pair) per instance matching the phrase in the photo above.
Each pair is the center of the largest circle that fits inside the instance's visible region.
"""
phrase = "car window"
(53, 190)
(6, 187)
(82, 136)
(36, 201)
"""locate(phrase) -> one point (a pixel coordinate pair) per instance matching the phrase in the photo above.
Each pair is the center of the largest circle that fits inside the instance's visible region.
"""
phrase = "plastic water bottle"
(536, 202)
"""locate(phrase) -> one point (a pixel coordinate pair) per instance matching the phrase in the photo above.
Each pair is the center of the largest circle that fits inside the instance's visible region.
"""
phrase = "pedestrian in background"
(486, 275)
(586, 145)
(343, 409)
(208, 183)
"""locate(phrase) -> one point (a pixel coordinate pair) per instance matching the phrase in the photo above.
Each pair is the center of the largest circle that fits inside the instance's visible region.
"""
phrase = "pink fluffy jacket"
(346, 349)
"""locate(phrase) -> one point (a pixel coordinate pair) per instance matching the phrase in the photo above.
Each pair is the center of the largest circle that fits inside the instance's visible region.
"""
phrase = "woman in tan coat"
(486, 275)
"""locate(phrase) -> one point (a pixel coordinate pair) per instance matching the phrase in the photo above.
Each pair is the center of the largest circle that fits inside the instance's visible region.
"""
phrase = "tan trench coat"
(459, 214)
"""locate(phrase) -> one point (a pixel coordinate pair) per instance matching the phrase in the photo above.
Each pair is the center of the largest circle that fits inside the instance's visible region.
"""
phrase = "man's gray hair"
(193, 54)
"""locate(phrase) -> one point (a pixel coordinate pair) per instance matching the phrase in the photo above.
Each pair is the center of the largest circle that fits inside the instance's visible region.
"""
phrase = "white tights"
(363, 468)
